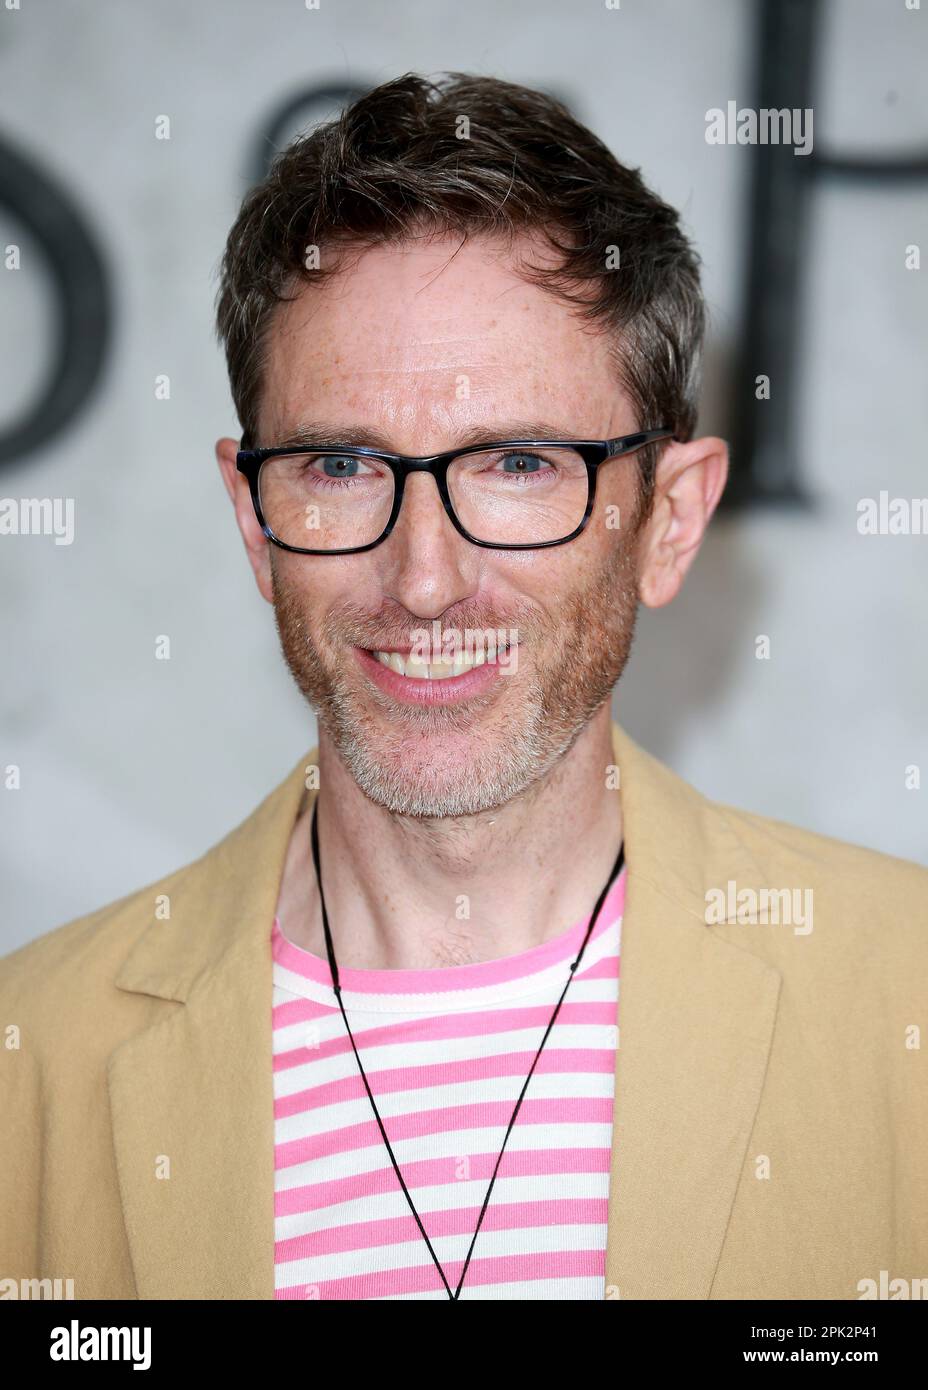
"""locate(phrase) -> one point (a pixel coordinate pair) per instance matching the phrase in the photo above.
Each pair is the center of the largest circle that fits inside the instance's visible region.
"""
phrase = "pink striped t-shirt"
(446, 1052)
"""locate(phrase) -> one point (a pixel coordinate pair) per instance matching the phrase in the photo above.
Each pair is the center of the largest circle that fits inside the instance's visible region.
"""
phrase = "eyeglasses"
(517, 494)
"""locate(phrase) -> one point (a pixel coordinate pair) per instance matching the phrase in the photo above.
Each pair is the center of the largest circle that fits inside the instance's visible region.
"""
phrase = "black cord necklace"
(333, 966)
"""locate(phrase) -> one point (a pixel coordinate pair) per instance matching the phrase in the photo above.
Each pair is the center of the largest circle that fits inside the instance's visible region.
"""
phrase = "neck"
(403, 893)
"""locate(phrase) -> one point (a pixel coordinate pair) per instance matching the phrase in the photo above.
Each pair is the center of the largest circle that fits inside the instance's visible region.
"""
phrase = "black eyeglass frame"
(594, 453)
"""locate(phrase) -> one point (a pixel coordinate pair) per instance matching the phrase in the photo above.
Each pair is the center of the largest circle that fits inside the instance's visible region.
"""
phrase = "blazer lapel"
(191, 1096)
(696, 1020)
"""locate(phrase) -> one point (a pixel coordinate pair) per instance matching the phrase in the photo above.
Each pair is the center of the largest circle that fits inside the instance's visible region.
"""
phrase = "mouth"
(408, 679)
(412, 667)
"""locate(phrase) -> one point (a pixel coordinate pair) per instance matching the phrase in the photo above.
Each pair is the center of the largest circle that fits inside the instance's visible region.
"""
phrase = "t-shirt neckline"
(504, 974)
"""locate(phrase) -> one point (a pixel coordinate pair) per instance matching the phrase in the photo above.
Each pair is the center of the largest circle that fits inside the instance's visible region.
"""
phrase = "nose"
(429, 566)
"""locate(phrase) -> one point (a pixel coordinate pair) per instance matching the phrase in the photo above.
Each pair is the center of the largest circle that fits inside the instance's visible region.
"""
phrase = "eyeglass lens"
(336, 501)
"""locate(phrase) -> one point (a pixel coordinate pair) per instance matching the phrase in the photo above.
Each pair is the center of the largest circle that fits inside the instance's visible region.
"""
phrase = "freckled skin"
(386, 345)
(573, 606)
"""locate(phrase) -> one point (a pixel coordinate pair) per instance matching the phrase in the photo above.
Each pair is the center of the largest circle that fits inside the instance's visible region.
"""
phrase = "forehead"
(422, 336)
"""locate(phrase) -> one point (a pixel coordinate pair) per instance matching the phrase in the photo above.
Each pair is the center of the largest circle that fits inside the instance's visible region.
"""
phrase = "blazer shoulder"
(72, 969)
(830, 855)
(69, 961)
(867, 891)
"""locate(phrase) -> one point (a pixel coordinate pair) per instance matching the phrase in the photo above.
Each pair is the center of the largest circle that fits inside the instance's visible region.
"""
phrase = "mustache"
(426, 635)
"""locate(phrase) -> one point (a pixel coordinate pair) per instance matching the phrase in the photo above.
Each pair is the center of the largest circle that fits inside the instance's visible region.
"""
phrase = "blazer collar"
(194, 1090)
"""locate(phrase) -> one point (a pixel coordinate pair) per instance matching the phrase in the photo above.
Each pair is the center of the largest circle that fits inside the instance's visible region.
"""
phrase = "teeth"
(431, 670)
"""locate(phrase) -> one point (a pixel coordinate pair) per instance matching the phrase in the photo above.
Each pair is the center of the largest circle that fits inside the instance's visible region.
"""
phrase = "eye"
(519, 462)
(339, 465)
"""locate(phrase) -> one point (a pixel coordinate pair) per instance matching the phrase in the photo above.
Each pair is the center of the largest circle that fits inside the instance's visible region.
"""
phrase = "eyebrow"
(319, 435)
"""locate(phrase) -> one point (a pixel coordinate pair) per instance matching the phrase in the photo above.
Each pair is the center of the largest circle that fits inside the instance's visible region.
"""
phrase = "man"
(409, 1083)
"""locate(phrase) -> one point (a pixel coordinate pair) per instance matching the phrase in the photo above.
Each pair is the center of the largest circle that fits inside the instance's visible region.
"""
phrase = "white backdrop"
(132, 766)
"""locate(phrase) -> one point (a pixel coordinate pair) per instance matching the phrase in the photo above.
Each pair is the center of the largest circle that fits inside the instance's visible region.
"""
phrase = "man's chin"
(435, 769)
(423, 798)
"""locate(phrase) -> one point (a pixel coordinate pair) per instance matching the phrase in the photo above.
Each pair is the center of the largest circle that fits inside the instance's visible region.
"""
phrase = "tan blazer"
(771, 1102)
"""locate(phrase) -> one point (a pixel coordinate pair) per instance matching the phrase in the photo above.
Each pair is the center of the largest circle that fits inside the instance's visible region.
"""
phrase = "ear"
(257, 545)
(689, 481)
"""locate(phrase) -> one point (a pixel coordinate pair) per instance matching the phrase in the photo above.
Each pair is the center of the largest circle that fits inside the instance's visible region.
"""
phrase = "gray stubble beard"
(589, 653)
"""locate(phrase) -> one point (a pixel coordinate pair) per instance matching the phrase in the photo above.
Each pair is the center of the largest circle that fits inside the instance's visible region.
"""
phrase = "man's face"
(421, 344)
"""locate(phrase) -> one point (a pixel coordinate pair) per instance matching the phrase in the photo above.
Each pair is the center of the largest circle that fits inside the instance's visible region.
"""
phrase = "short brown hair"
(394, 163)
